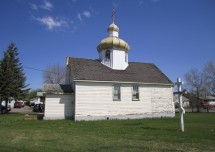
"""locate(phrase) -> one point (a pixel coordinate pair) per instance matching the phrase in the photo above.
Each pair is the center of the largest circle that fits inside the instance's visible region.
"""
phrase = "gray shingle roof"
(89, 69)
(57, 88)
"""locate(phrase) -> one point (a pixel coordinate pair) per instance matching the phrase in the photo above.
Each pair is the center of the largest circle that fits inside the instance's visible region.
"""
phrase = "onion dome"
(113, 42)
(113, 27)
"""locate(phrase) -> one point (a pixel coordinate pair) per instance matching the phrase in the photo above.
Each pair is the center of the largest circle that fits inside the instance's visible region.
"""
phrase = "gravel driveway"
(26, 110)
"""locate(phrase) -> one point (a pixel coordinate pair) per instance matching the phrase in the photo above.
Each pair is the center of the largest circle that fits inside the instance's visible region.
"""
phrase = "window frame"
(138, 93)
(119, 93)
(107, 55)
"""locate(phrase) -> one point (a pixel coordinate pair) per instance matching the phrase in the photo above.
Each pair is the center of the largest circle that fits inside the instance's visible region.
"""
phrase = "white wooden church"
(110, 87)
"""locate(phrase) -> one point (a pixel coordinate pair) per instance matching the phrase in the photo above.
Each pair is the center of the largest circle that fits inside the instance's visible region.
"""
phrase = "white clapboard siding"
(96, 99)
(59, 106)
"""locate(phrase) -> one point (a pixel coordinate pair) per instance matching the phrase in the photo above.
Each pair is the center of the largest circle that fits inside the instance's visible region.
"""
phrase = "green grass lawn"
(21, 134)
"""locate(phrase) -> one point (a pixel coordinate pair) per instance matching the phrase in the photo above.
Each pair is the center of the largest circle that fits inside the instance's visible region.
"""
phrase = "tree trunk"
(198, 101)
(192, 104)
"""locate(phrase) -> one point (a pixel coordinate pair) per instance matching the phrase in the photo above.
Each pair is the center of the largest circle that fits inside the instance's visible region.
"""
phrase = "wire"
(38, 69)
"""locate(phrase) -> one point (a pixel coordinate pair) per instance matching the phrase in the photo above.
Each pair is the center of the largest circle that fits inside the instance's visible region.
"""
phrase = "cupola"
(113, 41)
(113, 51)
(113, 27)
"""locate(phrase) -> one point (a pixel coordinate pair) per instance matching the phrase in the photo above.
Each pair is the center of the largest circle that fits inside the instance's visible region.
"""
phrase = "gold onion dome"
(113, 42)
(113, 27)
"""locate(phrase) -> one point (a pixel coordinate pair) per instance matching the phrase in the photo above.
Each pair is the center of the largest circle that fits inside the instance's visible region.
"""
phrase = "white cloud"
(93, 11)
(33, 6)
(46, 5)
(79, 17)
(86, 14)
(52, 23)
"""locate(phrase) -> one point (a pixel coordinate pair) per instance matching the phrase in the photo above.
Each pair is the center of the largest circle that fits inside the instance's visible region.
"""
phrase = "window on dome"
(107, 55)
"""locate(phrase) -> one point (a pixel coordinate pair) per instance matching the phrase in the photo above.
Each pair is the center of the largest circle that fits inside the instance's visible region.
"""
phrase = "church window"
(107, 55)
(135, 93)
(116, 93)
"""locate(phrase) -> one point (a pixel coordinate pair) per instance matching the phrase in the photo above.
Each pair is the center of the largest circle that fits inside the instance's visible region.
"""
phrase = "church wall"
(119, 60)
(68, 75)
(104, 60)
(59, 106)
(95, 101)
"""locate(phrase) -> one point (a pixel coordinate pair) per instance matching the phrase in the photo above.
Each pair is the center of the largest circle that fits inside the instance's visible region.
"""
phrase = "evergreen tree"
(5, 78)
(12, 78)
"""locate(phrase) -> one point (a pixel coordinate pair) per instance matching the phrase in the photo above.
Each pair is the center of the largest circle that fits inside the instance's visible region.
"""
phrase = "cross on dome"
(113, 26)
(113, 41)
(113, 15)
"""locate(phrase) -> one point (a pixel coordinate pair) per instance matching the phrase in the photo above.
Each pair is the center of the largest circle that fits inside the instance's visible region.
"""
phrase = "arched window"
(107, 55)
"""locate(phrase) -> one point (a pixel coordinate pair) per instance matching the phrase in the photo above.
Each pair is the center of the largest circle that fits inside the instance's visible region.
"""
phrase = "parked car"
(31, 104)
(4, 109)
(27, 103)
(209, 105)
(38, 108)
(18, 104)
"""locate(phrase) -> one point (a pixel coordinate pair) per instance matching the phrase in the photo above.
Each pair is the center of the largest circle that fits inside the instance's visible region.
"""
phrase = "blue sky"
(176, 35)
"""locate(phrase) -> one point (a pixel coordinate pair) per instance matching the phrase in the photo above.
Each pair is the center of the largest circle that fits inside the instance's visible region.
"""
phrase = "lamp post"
(180, 104)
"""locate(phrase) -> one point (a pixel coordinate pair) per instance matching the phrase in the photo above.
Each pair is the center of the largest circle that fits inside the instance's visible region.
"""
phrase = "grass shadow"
(162, 129)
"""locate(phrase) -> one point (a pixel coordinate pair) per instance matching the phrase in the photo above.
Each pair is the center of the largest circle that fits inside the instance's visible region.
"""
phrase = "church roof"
(57, 88)
(94, 70)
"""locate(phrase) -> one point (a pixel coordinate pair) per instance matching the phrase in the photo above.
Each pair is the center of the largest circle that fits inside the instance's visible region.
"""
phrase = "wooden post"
(181, 109)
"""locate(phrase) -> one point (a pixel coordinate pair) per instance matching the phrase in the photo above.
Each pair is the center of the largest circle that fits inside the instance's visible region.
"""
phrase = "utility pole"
(180, 104)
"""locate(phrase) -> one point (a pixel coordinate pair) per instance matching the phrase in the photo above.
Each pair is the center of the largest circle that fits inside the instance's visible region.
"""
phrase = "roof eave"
(58, 93)
(124, 82)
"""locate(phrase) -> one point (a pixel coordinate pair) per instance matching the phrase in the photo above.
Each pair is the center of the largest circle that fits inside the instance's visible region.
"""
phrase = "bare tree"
(209, 76)
(195, 81)
(54, 74)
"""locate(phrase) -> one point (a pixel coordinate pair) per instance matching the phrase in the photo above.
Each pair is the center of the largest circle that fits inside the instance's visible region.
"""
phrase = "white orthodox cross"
(180, 104)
